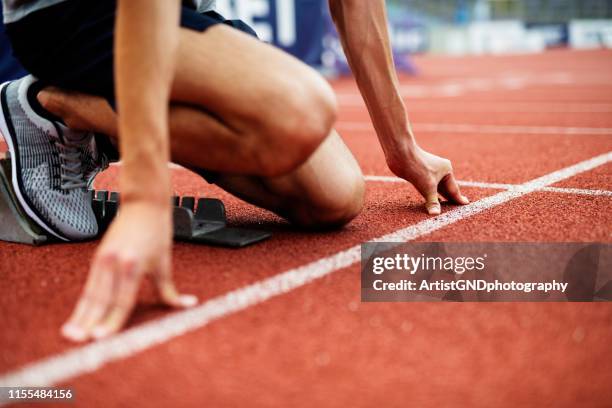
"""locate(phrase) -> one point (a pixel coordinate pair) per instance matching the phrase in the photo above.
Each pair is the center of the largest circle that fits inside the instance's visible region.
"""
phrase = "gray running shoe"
(52, 166)
(94, 160)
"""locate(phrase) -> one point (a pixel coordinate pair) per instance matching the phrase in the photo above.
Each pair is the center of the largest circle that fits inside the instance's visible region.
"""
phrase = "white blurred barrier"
(512, 37)
(586, 34)
(502, 37)
(490, 37)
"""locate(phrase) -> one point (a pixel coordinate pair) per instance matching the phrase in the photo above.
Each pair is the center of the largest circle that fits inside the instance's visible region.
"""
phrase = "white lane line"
(480, 184)
(465, 183)
(533, 130)
(458, 87)
(391, 179)
(498, 106)
(503, 129)
(88, 358)
(579, 191)
(500, 186)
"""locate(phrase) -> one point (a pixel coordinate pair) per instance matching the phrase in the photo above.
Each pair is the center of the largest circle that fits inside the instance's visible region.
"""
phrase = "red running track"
(501, 120)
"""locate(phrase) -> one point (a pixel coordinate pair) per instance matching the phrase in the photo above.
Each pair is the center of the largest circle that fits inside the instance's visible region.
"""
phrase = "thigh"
(243, 80)
(245, 83)
(327, 190)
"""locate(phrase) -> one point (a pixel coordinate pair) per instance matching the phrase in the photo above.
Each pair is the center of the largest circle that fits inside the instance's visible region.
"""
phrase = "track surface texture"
(281, 323)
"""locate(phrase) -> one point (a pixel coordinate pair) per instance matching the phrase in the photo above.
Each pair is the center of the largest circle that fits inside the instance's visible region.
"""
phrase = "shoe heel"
(15, 225)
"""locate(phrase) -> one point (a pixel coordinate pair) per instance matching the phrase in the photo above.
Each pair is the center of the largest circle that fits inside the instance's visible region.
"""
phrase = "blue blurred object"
(462, 12)
(296, 26)
(309, 28)
(304, 28)
(554, 34)
(407, 37)
(9, 67)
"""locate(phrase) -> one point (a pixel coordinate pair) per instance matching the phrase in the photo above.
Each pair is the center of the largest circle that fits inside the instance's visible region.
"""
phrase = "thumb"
(432, 205)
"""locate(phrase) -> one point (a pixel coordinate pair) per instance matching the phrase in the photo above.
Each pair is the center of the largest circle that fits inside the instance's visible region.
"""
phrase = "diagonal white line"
(500, 186)
(88, 358)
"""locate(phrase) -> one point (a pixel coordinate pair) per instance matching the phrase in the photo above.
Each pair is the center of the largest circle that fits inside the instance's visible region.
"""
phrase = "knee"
(299, 117)
(348, 205)
(335, 211)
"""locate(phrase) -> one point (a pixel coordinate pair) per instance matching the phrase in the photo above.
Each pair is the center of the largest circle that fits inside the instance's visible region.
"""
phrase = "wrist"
(145, 176)
(147, 187)
(398, 148)
(151, 199)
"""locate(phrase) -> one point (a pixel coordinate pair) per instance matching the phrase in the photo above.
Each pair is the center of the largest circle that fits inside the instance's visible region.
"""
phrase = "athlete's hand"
(137, 244)
(431, 175)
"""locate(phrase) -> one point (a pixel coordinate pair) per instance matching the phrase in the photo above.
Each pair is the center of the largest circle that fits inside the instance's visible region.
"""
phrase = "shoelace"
(72, 170)
(95, 163)
(102, 163)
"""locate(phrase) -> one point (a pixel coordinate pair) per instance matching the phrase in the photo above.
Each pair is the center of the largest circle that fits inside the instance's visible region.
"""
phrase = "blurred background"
(447, 27)
(503, 26)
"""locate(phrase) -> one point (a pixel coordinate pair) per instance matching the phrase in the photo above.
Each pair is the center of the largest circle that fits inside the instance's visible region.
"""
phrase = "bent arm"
(139, 240)
(146, 43)
(362, 26)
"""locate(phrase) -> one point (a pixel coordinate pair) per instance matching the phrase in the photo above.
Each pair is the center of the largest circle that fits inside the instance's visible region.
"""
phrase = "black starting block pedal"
(202, 222)
(206, 223)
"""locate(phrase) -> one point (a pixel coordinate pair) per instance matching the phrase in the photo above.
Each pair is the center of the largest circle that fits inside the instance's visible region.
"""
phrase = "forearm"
(362, 26)
(146, 41)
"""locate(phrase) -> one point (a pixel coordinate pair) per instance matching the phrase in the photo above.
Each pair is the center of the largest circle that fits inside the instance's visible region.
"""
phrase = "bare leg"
(263, 132)
(266, 111)
(327, 190)
(270, 110)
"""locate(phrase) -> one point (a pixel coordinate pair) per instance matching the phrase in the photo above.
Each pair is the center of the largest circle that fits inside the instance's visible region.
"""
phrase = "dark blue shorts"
(70, 44)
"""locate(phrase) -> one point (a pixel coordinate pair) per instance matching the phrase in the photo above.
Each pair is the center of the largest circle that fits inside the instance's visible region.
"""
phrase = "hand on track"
(431, 175)
(137, 244)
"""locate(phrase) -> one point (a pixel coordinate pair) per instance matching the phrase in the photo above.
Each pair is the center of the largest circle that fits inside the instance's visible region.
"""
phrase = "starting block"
(200, 221)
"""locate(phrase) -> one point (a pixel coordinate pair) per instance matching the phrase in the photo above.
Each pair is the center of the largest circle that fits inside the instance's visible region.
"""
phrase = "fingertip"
(465, 200)
(432, 204)
(434, 209)
(187, 301)
(73, 332)
(171, 297)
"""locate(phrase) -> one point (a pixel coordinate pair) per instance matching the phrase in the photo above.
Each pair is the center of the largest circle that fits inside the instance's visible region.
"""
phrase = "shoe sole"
(30, 211)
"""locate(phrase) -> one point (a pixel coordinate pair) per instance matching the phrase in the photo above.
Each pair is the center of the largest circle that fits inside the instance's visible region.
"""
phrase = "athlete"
(166, 80)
